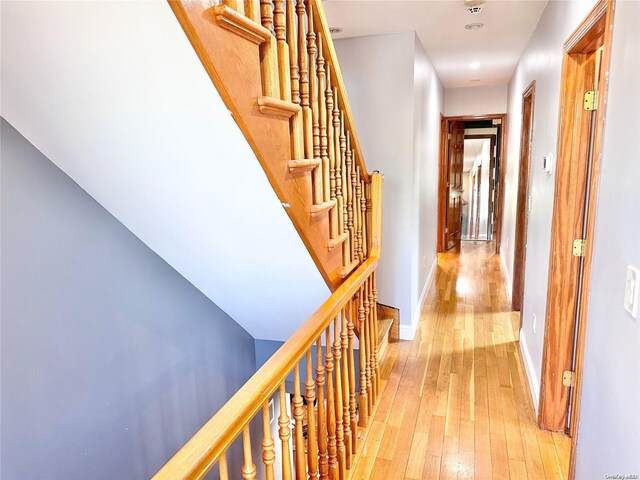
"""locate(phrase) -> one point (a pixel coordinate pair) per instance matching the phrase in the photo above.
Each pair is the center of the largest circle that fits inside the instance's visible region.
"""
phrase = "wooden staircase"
(274, 64)
(275, 67)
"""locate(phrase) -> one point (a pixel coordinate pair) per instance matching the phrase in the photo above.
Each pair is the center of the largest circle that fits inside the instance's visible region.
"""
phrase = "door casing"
(442, 174)
(566, 310)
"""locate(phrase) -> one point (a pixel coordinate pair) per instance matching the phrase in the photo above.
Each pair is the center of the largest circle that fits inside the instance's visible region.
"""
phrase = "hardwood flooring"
(455, 401)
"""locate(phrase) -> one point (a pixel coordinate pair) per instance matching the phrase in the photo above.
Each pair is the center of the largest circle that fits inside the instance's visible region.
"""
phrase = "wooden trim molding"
(442, 174)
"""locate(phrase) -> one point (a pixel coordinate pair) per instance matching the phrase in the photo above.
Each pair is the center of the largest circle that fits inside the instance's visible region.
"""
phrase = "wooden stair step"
(277, 108)
(384, 330)
(347, 269)
(339, 240)
(304, 165)
(322, 207)
(242, 26)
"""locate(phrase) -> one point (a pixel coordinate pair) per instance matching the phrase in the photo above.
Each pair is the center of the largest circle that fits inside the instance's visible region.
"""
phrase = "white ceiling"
(114, 94)
(439, 24)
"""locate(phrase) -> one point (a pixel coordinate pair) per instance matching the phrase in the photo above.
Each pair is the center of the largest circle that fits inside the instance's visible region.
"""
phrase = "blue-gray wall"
(110, 359)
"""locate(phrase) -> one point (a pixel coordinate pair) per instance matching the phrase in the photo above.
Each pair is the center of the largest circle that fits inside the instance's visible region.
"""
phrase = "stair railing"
(301, 81)
(339, 394)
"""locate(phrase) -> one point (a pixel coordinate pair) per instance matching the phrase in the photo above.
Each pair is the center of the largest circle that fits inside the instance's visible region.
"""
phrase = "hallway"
(456, 403)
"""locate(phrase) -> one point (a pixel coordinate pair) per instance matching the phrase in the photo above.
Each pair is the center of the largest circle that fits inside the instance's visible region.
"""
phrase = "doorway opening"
(471, 180)
(583, 99)
(524, 200)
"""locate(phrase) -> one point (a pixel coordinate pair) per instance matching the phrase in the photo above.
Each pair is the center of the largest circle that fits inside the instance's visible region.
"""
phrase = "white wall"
(428, 105)
(475, 100)
(542, 62)
(399, 134)
(608, 438)
(114, 94)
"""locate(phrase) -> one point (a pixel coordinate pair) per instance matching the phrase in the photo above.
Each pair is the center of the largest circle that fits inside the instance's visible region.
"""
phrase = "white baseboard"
(509, 285)
(408, 332)
(534, 383)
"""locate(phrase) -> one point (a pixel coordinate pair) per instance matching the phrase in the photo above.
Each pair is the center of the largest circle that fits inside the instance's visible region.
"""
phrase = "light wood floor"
(455, 402)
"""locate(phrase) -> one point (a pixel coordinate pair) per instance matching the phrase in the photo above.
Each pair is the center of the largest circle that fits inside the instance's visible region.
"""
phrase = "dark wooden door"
(455, 162)
(522, 209)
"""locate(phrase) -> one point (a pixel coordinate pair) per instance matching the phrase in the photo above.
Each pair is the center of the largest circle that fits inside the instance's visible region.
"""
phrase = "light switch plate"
(631, 289)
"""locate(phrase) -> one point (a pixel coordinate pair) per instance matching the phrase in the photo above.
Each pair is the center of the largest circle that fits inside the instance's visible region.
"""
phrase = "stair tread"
(321, 207)
(303, 165)
(339, 240)
(346, 270)
(242, 26)
(384, 327)
(277, 108)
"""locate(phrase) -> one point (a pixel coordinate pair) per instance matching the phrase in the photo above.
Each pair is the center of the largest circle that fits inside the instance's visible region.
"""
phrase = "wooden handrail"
(321, 24)
(209, 444)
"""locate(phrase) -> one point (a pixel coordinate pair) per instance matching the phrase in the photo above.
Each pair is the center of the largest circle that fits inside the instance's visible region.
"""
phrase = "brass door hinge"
(568, 378)
(448, 136)
(591, 100)
(579, 247)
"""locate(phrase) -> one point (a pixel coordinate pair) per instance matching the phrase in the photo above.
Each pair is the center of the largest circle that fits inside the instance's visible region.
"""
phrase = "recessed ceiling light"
(475, 80)
(475, 65)
(474, 26)
(335, 29)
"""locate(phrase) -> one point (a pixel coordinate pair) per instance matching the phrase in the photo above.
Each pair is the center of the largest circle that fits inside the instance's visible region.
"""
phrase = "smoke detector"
(474, 6)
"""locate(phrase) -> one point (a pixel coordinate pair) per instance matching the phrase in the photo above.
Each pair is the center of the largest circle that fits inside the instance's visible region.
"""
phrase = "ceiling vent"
(474, 6)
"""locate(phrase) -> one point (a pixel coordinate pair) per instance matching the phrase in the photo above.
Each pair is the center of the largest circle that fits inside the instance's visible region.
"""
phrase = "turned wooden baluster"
(268, 452)
(363, 406)
(337, 356)
(349, 174)
(285, 434)
(331, 410)
(374, 322)
(338, 165)
(322, 415)
(304, 79)
(358, 209)
(233, 5)
(367, 187)
(333, 213)
(283, 50)
(298, 414)
(346, 246)
(252, 10)
(248, 469)
(365, 229)
(313, 95)
(368, 341)
(292, 42)
(223, 467)
(346, 420)
(310, 397)
(269, 54)
(291, 89)
(353, 417)
(322, 122)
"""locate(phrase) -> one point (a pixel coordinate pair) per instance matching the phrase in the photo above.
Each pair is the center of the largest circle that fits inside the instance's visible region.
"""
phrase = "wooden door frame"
(522, 208)
(597, 25)
(444, 130)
